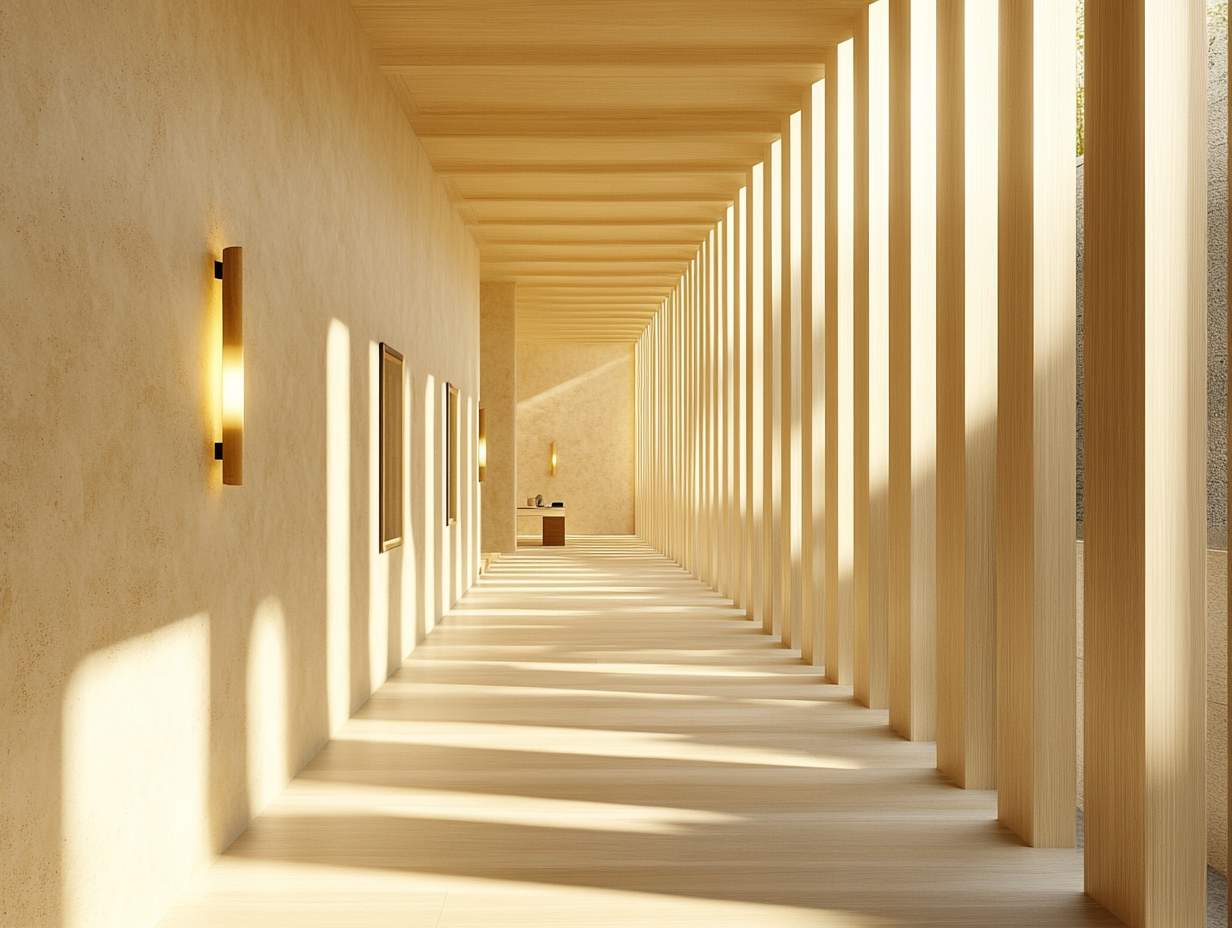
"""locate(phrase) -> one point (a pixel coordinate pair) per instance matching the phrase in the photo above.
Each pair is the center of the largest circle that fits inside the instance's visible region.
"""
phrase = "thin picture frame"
(390, 500)
(452, 462)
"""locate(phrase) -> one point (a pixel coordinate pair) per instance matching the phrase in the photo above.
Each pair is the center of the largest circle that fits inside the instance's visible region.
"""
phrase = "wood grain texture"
(752, 522)
(1035, 435)
(561, 752)
(772, 620)
(757, 296)
(878, 356)
(1145, 497)
(966, 392)
(859, 363)
(831, 617)
(913, 387)
(817, 270)
(539, 119)
(838, 645)
(810, 527)
(789, 380)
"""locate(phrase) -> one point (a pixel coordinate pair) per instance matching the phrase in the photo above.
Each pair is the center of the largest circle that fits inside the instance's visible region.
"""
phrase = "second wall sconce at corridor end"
(230, 270)
(553, 459)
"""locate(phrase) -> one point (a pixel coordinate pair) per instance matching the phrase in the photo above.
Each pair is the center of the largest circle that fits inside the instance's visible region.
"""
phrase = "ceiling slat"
(591, 147)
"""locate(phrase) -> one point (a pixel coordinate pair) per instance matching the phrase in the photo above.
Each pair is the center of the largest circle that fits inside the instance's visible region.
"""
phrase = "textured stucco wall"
(581, 397)
(498, 330)
(171, 650)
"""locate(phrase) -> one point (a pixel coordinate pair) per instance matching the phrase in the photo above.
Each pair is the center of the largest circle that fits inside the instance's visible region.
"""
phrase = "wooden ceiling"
(591, 145)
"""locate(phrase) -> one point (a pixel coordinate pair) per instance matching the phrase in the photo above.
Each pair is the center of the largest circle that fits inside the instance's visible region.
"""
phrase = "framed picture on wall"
(452, 462)
(390, 453)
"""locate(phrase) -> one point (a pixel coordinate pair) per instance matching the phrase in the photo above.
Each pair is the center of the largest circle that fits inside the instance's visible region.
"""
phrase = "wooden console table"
(553, 522)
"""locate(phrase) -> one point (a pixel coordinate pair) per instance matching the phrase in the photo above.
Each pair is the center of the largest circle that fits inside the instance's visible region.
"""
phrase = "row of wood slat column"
(857, 412)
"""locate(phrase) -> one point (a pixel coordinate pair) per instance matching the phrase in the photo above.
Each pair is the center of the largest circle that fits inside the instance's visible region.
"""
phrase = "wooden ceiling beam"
(591, 148)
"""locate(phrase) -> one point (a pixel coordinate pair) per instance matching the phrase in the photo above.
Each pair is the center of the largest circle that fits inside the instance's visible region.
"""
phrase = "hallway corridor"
(592, 737)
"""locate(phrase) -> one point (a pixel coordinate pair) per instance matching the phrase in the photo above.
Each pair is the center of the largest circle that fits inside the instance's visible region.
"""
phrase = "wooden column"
(913, 377)
(831, 617)
(711, 529)
(772, 588)
(734, 406)
(966, 392)
(1036, 674)
(1145, 487)
(752, 523)
(816, 263)
(877, 695)
(808, 560)
(789, 383)
(838, 630)
(763, 499)
(860, 354)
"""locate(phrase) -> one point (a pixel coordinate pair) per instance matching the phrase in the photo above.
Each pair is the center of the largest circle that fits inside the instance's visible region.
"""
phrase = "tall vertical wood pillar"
(830, 619)
(872, 675)
(780, 438)
(808, 651)
(1145, 486)
(1036, 674)
(966, 392)
(860, 355)
(771, 619)
(813, 282)
(913, 369)
(790, 399)
(752, 499)
(839, 600)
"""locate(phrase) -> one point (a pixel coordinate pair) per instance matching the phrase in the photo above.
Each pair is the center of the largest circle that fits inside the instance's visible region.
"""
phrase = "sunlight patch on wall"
(267, 704)
(135, 775)
(432, 532)
(411, 630)
(378, 564)
(556, 393)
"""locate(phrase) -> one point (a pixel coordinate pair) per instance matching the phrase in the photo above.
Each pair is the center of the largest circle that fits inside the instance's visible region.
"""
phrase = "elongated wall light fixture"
(553, 459)
(483, 444)
(230, 270)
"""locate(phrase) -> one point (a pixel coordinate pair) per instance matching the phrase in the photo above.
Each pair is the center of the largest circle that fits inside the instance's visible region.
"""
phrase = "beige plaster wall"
(581, 397)
(1216, 703)
(498, 333)
(171, 650)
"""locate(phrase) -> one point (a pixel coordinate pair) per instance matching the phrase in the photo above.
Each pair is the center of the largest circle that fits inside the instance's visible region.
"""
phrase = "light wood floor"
(593, 738)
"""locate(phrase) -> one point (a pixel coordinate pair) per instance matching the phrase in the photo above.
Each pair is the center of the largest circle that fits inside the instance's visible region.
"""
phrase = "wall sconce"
(553, 459)
(483, 444)
(230, 270)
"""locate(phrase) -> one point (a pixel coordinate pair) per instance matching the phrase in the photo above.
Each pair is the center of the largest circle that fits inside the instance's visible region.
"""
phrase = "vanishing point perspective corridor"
(593, 737)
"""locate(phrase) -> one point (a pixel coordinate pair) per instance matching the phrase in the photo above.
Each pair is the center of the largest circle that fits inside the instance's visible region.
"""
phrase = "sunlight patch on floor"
(588, 742)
